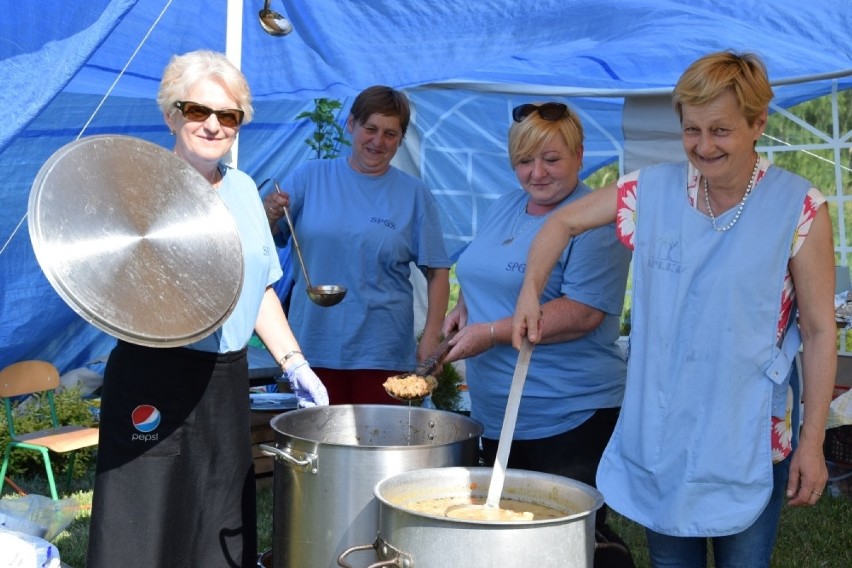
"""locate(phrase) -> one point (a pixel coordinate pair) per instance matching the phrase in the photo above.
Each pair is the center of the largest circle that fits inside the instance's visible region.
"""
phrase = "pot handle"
(341, 560)
(309, 463)
(603, 543)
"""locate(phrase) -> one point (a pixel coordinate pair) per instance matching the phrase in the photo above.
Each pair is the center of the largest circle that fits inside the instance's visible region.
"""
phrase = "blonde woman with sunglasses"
(175, 480)
(575, 382)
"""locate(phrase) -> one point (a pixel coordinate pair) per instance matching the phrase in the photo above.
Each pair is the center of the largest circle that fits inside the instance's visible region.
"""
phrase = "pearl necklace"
(742, 202)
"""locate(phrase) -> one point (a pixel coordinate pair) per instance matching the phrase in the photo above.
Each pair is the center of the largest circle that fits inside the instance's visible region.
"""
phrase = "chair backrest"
(28, 377)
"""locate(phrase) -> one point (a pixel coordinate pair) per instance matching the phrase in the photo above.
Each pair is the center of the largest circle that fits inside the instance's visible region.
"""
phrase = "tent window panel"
(815, 165)
(846, 171)
(844, 244)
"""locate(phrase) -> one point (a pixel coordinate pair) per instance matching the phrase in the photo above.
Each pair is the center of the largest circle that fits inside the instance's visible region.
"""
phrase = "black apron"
(175, 483)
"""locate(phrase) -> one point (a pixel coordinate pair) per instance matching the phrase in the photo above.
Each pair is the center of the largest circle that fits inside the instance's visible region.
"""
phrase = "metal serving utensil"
(325, 295)
(272, 22)
(427, 370)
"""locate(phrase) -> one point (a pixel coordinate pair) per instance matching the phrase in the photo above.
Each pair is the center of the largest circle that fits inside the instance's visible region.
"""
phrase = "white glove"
(306, 386)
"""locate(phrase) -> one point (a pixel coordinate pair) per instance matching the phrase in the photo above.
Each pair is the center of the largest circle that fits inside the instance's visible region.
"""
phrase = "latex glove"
(306, 386)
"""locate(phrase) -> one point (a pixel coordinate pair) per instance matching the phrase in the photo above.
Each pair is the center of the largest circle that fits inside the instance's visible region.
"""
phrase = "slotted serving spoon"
(325, 295)
(427, 368)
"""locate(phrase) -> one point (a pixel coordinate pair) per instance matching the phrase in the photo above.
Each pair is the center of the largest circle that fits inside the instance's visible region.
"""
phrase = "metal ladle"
(274, 23)
(325, 295)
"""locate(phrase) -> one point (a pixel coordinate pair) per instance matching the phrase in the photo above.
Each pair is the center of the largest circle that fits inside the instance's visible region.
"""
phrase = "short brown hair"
(743, 74)
(383, 100)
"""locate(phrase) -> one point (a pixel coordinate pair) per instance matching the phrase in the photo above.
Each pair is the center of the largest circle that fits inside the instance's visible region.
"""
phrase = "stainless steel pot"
(412, 539)
(328, 460)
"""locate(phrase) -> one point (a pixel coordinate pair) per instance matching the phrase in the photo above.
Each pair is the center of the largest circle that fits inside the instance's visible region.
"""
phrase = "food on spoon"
(410, 386)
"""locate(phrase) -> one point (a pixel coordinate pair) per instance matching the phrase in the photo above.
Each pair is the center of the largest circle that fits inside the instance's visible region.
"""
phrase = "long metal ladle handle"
(295, 240)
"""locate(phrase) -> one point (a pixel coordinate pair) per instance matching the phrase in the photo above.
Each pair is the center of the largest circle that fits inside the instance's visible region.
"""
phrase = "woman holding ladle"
(573, 389)
(361, 223)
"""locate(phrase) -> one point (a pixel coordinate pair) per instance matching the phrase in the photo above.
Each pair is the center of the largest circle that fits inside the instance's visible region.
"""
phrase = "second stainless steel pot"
(412, 539)
(328, 459)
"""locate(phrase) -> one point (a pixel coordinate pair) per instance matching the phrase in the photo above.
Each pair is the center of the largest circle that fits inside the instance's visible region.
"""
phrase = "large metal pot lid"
(135, 240)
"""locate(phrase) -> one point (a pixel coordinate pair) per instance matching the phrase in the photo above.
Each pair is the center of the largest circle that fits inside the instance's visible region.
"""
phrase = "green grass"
(814, 537)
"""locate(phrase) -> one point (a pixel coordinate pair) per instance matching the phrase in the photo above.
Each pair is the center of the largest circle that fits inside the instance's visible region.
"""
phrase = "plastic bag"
(19, 550)
(89, 378)
(37, 515)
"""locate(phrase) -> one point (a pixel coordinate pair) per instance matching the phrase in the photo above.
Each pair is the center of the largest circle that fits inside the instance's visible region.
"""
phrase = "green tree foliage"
(328, 134)
(787, 135)
(446, 395)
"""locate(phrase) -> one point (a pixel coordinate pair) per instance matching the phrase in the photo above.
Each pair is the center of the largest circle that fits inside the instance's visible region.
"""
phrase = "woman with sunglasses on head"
(576, 376)
(175, 482)
(733, 271)
(361, 223)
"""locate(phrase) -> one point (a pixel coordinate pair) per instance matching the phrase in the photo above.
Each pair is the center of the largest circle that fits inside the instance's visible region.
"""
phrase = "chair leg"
(69, 476)
(49, 471)
(4, 468)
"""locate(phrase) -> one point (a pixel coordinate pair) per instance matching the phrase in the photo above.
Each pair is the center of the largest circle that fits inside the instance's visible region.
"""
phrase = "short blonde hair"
(743, 74)
(533, 132)
(185, 71)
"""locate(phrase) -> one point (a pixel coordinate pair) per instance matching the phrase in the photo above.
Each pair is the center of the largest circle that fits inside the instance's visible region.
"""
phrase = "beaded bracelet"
(493, 342)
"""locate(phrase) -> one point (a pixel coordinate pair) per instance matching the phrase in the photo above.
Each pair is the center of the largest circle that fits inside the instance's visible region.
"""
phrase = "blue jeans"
(751, 548)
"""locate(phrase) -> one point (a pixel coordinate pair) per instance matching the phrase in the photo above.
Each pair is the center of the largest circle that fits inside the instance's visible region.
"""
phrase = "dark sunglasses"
(547, 111)
(230, 117)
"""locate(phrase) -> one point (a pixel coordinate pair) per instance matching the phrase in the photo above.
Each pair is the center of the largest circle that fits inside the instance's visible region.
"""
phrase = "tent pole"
(234, 53)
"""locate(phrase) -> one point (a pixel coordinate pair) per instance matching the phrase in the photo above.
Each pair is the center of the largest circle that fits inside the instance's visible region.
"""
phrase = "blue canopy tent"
(72, 69)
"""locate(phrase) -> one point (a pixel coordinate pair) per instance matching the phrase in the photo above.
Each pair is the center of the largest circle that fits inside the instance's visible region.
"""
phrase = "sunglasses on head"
(547, 111)
(194, 112)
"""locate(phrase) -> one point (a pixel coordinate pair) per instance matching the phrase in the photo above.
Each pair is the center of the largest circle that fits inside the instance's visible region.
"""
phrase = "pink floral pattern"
(628, 185)
(626, 217)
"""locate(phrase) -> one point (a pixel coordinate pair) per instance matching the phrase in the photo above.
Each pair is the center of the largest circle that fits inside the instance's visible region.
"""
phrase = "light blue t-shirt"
(361, 232)
(567, 381)
(260, 262)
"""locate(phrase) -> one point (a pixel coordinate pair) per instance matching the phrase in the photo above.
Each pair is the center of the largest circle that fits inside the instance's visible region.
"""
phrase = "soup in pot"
(471, 508)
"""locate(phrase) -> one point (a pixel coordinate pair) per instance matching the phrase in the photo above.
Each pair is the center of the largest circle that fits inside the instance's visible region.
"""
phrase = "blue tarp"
(71, 69)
